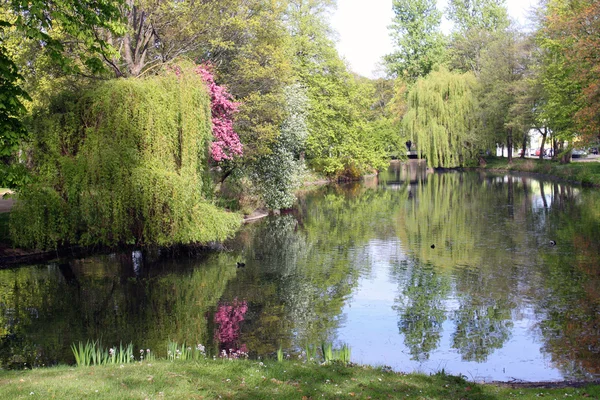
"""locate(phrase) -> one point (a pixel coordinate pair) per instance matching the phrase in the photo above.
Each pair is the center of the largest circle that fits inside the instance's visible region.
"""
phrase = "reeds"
(92, 353)
(176, 352)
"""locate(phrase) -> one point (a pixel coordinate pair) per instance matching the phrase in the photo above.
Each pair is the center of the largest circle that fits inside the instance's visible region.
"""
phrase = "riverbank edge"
(289, 379)
(584, 174)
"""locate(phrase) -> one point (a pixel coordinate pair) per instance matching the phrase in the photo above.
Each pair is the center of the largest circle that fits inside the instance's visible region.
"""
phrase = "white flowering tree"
(279, 174)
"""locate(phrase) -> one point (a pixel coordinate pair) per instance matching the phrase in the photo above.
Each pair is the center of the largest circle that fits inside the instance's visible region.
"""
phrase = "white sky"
(363, 35)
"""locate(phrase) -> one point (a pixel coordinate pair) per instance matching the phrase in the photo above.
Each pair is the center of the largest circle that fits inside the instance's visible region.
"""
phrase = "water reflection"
(492, 299)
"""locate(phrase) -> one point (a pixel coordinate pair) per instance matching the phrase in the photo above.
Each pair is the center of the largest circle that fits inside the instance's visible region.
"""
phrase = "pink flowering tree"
(229, 318)
(226, 144)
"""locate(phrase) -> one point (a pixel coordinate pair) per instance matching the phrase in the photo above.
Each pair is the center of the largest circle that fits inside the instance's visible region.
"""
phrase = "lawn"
(253, 379)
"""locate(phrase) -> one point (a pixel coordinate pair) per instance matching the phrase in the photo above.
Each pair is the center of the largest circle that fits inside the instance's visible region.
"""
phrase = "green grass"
(251, 379)
(93, 353)
(586, 173)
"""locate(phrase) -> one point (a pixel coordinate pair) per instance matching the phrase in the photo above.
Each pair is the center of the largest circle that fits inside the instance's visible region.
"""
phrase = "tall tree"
(416, 33)
(441, 117)
(339, 141)
(490, 15)
(476, 23)
(570, 37)
(504, 64)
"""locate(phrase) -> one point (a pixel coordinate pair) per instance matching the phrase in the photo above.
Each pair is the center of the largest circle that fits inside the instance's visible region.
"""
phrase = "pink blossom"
(226, 142)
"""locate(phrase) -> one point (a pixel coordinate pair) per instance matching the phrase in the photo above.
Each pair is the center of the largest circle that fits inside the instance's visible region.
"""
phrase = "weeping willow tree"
(441, 118)
(122, 163)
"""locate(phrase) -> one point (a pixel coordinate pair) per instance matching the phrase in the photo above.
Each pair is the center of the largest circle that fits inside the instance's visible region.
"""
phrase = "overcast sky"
(363, 35)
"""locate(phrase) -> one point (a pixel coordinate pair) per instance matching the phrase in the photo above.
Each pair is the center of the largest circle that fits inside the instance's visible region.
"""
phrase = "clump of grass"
(335, 355)
(311, 352)
(327, 351)
(280, 354)
(176, 352)
(92, 353)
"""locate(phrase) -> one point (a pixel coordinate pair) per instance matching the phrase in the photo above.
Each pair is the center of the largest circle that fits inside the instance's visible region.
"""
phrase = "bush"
(122, 164)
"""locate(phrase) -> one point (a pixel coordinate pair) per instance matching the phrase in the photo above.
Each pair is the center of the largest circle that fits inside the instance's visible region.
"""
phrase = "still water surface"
(414, 270)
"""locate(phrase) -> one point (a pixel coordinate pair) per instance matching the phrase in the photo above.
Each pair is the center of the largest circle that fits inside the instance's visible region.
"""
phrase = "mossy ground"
(252, 379)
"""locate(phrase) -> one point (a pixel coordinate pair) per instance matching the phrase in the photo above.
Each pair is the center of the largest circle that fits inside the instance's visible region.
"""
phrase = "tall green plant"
(441, 118)
(122, 163)
(279, 174)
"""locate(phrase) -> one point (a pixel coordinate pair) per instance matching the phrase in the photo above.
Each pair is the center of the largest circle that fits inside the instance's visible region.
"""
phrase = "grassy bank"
(246, 379)
(585, 173)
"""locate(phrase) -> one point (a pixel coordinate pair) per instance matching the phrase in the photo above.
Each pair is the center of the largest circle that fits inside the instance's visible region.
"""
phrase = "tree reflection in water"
(490, 277)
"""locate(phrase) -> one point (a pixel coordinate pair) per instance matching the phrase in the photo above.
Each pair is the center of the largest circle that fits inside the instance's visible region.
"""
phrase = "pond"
(415, 270)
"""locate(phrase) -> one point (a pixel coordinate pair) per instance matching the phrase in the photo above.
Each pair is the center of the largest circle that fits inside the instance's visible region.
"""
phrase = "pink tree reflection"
(229, 318)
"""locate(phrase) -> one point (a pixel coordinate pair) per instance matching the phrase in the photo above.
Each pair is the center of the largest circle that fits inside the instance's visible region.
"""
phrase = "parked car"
(534, 151)
(578, 153)
(594, 150)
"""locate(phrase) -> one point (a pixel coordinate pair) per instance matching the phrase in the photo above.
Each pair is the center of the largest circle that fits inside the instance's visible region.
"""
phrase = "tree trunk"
(509, 145)
(544, 133)
(524, 146)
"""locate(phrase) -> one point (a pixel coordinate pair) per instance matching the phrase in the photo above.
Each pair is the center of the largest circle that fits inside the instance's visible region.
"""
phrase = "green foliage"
(177, 352)
(39, 21)
(416, 33)
(122, 163)
(93, 353)
(332, 355)
(558, 72)
(13, 175)
(485, 15)
(340, 141)
(441, 118)
(280, 173)
(250, 50)
(504, 66)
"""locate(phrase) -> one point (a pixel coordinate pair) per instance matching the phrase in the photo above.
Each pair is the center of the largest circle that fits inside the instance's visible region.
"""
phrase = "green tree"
(476, 24)
(340, 141)
(415, 31)
(504, 65)
(39, 22)
(279, 174)
(570, 69)
(441, 118)
(124, 163)
(489, 15)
